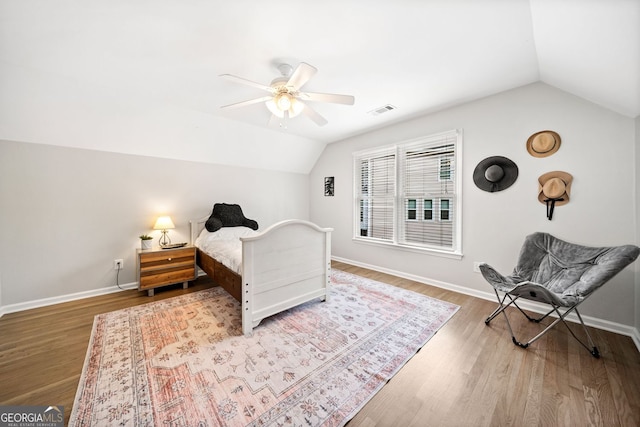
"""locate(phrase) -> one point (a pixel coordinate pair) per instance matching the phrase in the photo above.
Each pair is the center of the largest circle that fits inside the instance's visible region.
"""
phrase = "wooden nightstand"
(160, 267)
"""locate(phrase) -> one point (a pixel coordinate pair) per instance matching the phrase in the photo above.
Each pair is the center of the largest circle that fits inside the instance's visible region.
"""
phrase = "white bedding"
(224, 245)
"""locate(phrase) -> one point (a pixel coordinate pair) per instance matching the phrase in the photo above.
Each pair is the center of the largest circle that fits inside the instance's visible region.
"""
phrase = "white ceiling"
(418, 55)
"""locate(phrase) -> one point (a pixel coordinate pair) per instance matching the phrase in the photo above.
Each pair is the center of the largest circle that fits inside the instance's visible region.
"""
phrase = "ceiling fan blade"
(328, 97)
(240, 80)
(301, 75)
(313, 115)
(245, 103)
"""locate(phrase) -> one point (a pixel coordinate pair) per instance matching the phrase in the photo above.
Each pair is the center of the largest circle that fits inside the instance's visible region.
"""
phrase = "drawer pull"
(168, 259)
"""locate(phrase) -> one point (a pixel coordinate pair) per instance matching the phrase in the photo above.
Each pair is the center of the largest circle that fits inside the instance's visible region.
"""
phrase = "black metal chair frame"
(591, 348)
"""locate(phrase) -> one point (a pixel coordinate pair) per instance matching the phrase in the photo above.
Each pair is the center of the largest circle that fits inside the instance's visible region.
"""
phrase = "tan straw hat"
(543, 143)
(554, 186)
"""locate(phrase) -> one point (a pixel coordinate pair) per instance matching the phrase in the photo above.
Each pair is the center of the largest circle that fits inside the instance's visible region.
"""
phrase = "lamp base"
(164, 239)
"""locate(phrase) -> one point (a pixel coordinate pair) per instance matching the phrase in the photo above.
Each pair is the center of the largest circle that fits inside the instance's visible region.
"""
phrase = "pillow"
(228, 215)
(213, 224)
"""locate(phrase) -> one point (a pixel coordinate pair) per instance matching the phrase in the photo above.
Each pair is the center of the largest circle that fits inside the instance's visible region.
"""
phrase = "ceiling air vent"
(383, 109)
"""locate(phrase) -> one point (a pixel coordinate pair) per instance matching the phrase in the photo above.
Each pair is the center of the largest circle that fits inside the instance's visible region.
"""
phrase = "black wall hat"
(495, 174)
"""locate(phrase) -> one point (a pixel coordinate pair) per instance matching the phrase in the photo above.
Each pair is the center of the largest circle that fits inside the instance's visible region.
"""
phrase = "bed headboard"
(197, 225)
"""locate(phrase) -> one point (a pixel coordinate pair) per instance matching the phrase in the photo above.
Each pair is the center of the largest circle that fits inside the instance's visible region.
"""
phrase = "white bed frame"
(285, 265)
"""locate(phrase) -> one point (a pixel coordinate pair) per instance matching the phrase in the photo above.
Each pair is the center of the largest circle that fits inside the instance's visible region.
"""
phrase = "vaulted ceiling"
(418, 55)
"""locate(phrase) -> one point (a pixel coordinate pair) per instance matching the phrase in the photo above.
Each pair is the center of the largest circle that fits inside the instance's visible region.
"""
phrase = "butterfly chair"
(557, 273)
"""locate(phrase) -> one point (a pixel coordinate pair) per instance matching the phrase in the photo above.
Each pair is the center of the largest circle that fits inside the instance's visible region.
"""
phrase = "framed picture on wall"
(329, 185)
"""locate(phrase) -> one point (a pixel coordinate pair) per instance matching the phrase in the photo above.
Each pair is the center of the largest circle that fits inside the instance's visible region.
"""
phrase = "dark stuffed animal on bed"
(227, 215)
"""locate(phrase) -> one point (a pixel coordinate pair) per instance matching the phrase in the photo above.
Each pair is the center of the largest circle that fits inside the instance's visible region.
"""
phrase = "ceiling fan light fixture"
(284, 102)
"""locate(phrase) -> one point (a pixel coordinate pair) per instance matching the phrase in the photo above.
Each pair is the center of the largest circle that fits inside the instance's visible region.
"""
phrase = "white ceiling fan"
(285, 99)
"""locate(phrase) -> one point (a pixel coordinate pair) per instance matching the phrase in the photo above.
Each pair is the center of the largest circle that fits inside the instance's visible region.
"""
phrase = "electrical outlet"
(118, 264)
(476, 266)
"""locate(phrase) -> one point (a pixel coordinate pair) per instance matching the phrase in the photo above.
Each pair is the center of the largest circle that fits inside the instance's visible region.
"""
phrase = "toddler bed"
(285, 265)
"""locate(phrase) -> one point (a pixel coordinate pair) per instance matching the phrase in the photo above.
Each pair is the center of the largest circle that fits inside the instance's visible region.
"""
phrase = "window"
(411, 209)
(444, 210)
(445, 169)
(376, 186)
(428, 210)
(409, 194)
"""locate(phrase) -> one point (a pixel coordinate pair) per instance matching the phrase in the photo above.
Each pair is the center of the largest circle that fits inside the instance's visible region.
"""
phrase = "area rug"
(183, 361)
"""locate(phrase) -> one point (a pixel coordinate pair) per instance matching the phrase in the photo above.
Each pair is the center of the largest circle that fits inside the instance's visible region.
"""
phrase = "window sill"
(415, 249)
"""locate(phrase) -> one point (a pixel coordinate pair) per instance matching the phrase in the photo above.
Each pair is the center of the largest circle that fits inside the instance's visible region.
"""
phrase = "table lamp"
(164, 223)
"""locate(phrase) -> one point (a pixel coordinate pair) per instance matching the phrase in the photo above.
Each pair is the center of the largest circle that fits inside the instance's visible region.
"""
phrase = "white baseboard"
(12, 308)
(595, 322)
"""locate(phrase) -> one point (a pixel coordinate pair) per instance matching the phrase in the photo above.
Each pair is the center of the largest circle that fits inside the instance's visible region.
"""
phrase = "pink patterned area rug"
(184, 361)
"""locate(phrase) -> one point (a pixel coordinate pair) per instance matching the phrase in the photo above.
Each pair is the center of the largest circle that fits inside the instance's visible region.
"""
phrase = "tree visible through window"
(407, 194)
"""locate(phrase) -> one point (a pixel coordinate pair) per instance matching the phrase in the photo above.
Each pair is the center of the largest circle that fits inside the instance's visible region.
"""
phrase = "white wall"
(597, 149)
(67, 213)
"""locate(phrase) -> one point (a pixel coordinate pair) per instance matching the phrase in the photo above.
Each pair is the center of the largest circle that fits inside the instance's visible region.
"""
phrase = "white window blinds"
(408, 194)
(376, 177)
(427, 174)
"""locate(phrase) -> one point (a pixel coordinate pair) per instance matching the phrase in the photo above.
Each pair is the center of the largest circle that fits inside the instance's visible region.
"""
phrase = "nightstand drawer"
(166, 257)
(162, 264)
(165, 277)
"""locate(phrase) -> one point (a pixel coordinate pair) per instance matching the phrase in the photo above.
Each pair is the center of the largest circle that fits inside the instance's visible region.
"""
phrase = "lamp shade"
(164, 223)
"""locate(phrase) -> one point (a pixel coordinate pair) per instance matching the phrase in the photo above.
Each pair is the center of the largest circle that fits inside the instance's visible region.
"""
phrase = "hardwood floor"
(468, 374)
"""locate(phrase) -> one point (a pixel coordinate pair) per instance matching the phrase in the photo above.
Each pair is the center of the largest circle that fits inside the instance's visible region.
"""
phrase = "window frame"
(401, 205)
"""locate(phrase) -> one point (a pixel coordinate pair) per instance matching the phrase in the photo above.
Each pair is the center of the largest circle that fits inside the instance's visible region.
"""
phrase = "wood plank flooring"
(468, 374)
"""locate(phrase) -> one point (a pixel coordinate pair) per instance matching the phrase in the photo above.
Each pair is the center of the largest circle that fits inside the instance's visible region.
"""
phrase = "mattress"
(225, 245)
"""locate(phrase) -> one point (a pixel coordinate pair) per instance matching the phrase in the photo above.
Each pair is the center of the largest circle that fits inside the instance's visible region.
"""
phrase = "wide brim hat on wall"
(543, 143)
(495, 174)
